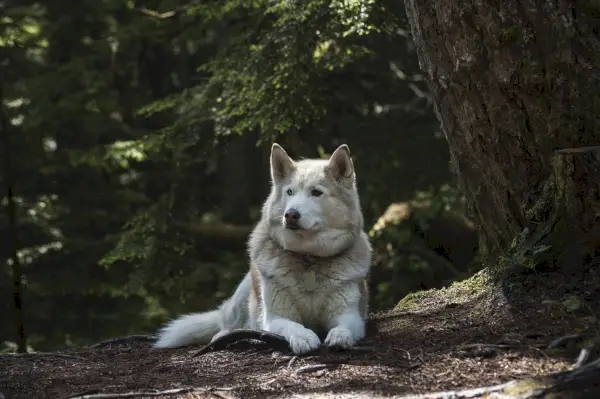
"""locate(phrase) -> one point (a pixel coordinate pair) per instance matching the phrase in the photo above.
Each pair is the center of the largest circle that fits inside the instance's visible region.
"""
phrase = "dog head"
(314, 206)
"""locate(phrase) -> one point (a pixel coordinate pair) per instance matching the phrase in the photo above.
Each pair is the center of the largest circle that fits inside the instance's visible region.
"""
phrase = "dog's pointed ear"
(281, 163)
(340, 164)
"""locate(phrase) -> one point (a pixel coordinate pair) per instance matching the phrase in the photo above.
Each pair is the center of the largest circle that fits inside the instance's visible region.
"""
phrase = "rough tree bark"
(516, 86)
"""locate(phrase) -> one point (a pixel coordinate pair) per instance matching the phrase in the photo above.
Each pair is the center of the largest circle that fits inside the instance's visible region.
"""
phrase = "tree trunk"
(516, 86)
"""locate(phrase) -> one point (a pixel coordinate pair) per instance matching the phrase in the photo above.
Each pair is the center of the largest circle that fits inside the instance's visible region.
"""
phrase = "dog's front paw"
(303, 341)
(340, 337)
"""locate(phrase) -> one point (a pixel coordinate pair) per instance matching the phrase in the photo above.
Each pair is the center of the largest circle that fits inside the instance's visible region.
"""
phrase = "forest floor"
(456, 338)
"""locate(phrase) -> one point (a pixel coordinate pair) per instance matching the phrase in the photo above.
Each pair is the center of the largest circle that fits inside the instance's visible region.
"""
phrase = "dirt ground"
(446, 340)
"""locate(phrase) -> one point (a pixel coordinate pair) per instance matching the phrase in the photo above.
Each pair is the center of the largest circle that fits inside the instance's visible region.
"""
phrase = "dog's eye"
(316, 192)
(289, 191)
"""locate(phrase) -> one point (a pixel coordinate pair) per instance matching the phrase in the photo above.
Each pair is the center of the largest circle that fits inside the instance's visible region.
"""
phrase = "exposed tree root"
(273, 340)
(565, 341)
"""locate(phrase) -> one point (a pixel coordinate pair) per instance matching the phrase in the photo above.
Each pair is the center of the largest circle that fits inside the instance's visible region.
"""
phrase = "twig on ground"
(120, 340)
(485, 347)
(407, 354)
(577, 149)
(43, 354)
(588, 353)
(490, 346)
(273, 340)
(218, 394)
(133, 394)
(292, 361)
(136, 394)
(468, 393)
(316, 367)
(583, 357)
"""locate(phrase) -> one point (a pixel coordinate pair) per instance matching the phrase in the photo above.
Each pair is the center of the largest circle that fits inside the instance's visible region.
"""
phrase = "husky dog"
(309, 263)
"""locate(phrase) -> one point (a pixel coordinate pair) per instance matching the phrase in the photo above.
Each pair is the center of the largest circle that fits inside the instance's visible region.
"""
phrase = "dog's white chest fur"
(301, 290)
(310, 280)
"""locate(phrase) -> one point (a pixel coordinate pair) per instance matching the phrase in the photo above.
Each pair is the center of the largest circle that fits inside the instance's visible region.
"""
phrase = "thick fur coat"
(309, 262)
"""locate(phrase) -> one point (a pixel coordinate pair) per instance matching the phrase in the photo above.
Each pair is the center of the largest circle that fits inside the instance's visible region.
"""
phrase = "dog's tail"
(189, 329)
(201, 328)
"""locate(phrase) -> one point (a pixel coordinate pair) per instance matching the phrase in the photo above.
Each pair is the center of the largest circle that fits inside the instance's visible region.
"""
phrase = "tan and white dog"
(309, 263)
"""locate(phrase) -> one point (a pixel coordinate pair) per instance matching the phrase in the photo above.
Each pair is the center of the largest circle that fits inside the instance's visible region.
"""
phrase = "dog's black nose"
(291, 219)
(292, 216)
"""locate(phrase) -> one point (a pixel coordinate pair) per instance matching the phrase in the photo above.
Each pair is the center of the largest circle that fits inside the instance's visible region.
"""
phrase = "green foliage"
(272, 77)
(138, 241)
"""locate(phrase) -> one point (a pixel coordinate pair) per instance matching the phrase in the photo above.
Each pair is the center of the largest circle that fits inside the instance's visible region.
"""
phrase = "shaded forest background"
(136, 140)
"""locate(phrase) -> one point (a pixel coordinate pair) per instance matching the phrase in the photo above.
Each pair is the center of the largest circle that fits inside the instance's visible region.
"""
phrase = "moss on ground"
(458, 292)
(412, 300)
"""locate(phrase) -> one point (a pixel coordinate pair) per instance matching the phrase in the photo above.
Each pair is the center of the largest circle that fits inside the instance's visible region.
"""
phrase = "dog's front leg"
(279, 315)
(346, 330)
(344, 318)
(301, 339)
